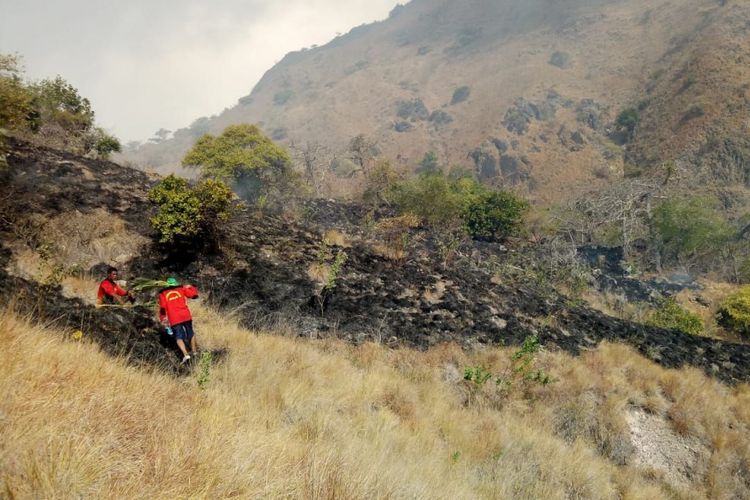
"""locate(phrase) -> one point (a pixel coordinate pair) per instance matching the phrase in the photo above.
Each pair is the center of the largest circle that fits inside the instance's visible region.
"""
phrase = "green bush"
(493, 215)
(734, 312)
(673, 316)
(689, 228)
(461, 203)
(628, 120)
(190, 215)
(105, 144)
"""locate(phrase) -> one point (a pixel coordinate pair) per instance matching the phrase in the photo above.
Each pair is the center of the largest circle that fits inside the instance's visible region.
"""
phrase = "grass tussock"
(282, 417)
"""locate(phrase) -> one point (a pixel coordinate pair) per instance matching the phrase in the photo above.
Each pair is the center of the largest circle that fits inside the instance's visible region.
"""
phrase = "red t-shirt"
(173, 304)
(107, 291)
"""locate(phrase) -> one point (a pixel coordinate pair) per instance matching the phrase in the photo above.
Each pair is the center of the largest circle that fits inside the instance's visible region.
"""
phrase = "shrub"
(673, 316)
(460, 94)
(15, 97)
(494, 215)
(460, 204)
(628, 120)
(430, 197)
(105, 144)
(734, 312)
(690, 228)
(189, 214)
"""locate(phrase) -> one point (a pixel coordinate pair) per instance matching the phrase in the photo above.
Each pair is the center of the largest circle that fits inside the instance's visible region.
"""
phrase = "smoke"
(147, 65)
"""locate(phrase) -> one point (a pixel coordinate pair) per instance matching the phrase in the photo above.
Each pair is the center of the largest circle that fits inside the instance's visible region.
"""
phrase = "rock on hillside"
(272, 270)
(524, 93)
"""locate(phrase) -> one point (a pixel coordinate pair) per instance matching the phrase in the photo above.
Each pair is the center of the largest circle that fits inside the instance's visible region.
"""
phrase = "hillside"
(377, 388)
(524, 93)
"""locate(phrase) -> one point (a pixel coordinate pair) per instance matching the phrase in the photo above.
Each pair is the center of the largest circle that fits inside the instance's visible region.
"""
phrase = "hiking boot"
(186, 359)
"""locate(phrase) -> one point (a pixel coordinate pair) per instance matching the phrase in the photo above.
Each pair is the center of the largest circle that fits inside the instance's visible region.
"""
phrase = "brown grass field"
(284, 417)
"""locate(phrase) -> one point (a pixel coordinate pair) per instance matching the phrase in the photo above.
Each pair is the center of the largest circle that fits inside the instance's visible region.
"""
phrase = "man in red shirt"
(174, 311)
(110, 292)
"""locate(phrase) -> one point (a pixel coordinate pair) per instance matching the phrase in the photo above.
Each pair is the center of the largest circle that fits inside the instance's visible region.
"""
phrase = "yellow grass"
(283, 417)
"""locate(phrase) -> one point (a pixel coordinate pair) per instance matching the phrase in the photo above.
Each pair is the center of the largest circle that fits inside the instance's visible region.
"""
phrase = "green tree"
(688, 229)
(16, 101)
(64, 119)
(242, 156)
(190, 215)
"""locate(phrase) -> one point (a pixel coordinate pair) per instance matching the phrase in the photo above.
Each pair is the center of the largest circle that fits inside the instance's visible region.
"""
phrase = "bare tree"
(311, 155)
(362, 151)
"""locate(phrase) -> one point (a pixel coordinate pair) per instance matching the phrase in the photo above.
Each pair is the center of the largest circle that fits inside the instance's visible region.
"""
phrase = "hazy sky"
(163, 63)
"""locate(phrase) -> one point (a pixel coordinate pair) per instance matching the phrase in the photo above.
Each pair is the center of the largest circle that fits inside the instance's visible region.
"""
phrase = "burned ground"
(262, 277)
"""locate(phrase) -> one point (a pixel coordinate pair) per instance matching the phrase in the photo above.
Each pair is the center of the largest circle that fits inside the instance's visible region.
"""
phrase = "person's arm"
(162, 308)
(190, 292)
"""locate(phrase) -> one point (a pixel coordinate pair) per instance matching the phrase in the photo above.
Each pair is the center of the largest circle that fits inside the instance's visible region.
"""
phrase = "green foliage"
(461, 203)
(104, 143)
(429, 164)
(334, 265)
(431, 197)
(190, 214)
(689, 228)
(15, 98)
(460, 94)
(524, 360)
(378, 180)
(628, 120)
(493, 215)
(204, 369)
(478, 375)
(734, 312)
(243, 156)
(63, 118)
(673, 316)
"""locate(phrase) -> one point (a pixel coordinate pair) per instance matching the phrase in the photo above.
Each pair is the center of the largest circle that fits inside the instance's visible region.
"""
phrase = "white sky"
(163, 63)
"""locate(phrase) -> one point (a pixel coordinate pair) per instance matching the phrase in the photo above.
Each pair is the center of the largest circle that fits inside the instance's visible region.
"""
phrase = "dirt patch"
(680, 459)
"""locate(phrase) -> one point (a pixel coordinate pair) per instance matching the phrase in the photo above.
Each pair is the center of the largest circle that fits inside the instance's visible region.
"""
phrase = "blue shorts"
(183, 331)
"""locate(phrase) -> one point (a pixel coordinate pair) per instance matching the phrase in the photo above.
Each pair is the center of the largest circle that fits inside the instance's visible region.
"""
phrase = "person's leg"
(191, 336)
(180, 334)
(181, 345)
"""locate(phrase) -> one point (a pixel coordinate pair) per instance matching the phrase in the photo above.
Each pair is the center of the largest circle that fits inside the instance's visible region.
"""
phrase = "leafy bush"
(462, 203)
(245, 157)
(105, 144)
(734, 312)
(690, 228)
(628, 120)
(494, 215)
(460, 94)
(190, 215)
(673, 316)
(15, 97)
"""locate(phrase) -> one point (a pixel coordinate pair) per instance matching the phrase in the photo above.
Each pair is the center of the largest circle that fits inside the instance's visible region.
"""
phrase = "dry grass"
(284, 417)
(74, 240)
